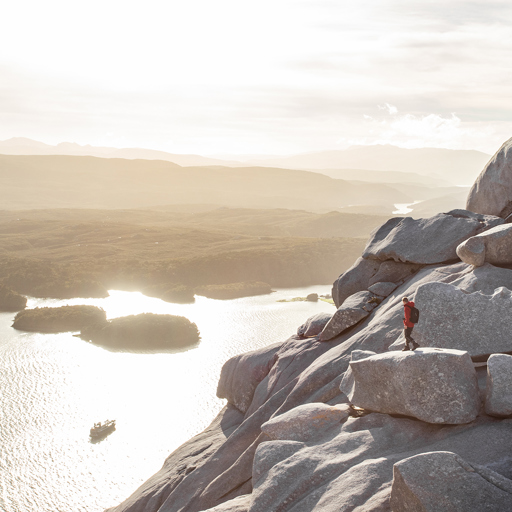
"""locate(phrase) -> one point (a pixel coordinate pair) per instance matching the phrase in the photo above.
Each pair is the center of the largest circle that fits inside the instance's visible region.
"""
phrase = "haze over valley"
(210, 216)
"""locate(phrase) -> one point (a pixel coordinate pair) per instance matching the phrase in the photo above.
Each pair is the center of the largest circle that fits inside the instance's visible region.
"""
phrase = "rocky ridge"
(352, 423)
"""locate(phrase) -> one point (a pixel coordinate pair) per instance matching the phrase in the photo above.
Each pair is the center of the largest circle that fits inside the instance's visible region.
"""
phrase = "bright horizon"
(281, 77)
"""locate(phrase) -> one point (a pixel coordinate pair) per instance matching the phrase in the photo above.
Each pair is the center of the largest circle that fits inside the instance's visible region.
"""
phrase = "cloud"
(268, 78)
(390, 109)
(410, 130)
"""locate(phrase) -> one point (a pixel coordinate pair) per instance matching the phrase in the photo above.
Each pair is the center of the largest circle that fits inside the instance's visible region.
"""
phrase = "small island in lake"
(11, 301)
(144, 331)
(312, 297)
(233, 290)
(61, 319)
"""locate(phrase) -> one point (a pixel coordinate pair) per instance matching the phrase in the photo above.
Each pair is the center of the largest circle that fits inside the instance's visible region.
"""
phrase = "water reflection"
(56, 386)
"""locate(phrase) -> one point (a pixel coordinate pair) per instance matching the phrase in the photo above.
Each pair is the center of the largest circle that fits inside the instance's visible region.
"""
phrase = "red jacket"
(407, 314)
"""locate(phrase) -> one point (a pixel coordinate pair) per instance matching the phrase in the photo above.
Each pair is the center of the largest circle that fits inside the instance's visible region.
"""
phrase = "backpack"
(415, 315)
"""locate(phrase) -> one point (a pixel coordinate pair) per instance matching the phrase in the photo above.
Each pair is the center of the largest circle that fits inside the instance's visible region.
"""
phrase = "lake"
(56, 386)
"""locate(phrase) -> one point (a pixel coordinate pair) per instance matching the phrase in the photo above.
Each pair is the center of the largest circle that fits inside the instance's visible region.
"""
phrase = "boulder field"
(339, 418)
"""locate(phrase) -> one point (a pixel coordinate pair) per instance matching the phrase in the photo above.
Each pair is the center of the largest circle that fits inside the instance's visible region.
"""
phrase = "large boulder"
(498, 397)
(352, 311)
(303, 422)
(433, 385)
(426, 241)
(354, 280)
(491, 193)
(241, 374)
(493, 246)
(445, 482)
(314, 325)
(450, 318)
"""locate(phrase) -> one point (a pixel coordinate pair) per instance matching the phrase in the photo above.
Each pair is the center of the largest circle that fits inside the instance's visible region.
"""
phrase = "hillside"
(24, 146)
(65, 253)
(460, 167)
(90, 182)
(457, 167)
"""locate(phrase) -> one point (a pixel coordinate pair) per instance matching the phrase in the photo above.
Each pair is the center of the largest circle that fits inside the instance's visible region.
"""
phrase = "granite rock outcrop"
(492, 246)
(352, 311)
(289, 440)
(445, 482)
(382, 288)
(433, 385)
(302, 422)
(454, 319)
(314, 325)
(491, 194)
(366, 273)
(426, 241)
(498, 398)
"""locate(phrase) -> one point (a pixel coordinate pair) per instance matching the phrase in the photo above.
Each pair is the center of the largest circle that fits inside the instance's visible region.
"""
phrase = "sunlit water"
(55, 386)
(404, 208)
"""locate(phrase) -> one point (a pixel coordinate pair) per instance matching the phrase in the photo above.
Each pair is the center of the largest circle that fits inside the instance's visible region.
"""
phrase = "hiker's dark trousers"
(408, 337)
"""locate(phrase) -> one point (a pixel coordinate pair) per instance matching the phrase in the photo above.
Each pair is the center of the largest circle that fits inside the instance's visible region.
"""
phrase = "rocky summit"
(340, 418)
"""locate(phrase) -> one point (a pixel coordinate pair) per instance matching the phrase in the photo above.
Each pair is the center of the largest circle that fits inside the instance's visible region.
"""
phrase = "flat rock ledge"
(445, 482)
(303, 422)
(432, 385)
(498, 397)
(451, 318)
(492, 246)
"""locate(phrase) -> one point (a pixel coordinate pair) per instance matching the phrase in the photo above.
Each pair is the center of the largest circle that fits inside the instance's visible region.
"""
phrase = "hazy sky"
(257, 76)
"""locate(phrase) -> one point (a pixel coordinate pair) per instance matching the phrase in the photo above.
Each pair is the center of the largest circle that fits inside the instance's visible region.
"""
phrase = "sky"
(257, 76)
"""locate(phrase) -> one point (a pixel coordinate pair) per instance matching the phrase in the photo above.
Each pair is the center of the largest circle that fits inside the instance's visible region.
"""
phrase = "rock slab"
(303, 422)
(314, 325)
(239, 504)
(426, 241)
(445, 482)
(492, 246)
(433, 385)
(498, 397)
(491, 193)
(383, 289)
(450, 318)
(241, 374)
(354, 280)
(352, 311)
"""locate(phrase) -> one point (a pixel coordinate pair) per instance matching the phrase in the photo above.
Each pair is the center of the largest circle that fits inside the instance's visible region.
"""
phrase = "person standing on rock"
(408, 325)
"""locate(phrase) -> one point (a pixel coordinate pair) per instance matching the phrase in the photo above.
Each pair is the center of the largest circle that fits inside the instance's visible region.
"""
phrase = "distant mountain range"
(460, 167)
(442, 166)
(61, 181)
(24, 146)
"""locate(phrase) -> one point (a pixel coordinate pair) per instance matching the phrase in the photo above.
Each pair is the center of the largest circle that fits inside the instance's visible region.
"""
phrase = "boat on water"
(102, 429)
